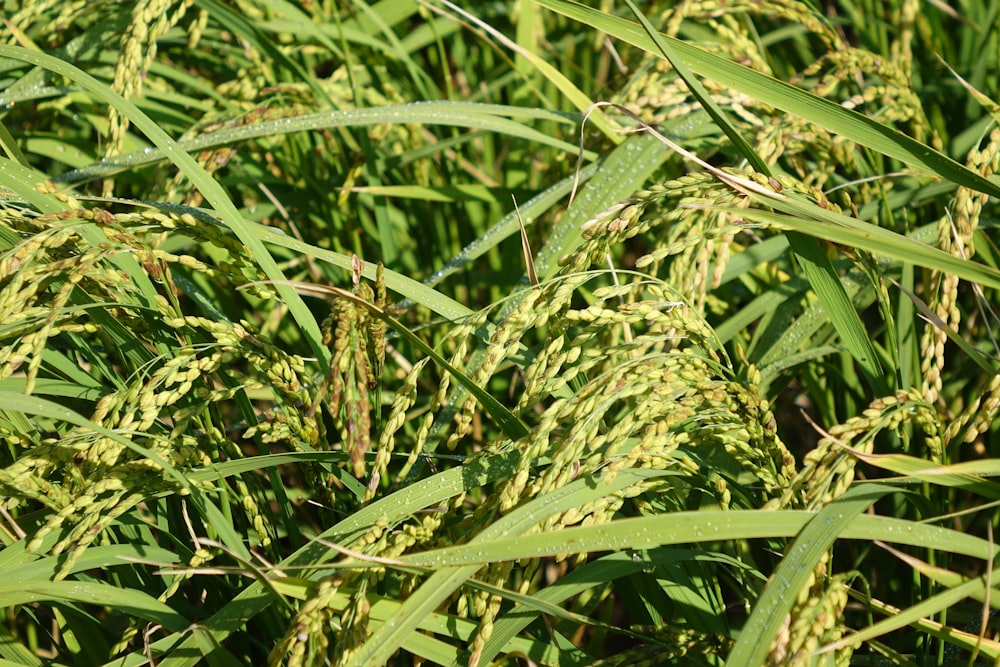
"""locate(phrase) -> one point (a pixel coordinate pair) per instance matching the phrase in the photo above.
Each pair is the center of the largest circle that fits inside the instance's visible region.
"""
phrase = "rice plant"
(522, 333)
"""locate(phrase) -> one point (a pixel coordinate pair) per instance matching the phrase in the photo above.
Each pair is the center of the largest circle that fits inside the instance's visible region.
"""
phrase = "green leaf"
(793, 572)
(690, 528)
(919, 614)
(386, 639)
(853, 233)
(128, 601)
(501, 120)
(845, 319)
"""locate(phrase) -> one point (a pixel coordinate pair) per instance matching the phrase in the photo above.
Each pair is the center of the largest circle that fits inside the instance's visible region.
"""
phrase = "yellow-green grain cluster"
(955, 236)
(828, 470)
(99, 278)
(307, 643)
(650, 389)
(816, 619)
(150, 20)
(351, 386)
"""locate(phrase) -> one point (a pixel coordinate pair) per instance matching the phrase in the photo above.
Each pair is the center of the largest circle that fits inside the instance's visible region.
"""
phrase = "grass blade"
(132, 602)
(794, 570)
(827, 285)
(385, 640)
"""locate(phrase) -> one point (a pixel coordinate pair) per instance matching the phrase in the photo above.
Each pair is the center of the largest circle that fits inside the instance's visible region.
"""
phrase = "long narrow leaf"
(696, 527)
(491, 117)
(794, 570)
(850, 232)
(827, 285)
(385, 640)
(135, 603)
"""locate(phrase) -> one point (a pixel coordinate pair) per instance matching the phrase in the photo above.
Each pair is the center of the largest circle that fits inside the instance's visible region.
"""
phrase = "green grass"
(275, 386)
